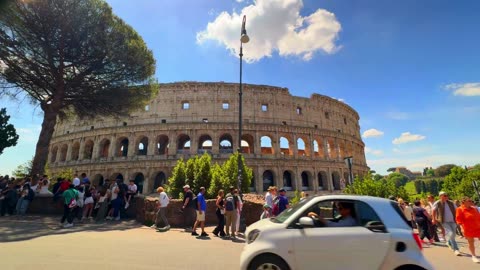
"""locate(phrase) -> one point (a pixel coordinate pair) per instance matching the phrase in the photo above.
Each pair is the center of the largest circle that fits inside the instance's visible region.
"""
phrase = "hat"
(442, 193)
(266, 206)
(186, 186)
(282, 190)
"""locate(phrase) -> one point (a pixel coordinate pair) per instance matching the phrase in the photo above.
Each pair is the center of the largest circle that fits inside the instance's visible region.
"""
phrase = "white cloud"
(407, 137)
(398, 115)
(373, 152)
(372, 133)
(464, 89)
(275, 25)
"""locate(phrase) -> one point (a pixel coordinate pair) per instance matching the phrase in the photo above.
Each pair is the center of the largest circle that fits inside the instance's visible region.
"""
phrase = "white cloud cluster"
(373, 152)
(371, 133)
(407, 137)
(464, 89)
(275, 25)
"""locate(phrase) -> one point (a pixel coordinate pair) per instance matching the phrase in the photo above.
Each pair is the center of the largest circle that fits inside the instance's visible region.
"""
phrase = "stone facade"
(289, 141)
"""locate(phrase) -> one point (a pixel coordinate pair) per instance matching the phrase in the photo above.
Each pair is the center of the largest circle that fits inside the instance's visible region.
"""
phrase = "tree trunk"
(41, 151)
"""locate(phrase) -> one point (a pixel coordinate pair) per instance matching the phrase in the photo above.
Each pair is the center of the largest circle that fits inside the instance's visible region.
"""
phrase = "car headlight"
(252, 236)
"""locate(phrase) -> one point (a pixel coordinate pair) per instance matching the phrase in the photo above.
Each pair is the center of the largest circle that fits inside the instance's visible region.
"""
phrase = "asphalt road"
(39, 243)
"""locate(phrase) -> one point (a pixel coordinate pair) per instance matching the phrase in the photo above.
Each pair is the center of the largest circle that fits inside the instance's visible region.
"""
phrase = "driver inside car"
(346, 219)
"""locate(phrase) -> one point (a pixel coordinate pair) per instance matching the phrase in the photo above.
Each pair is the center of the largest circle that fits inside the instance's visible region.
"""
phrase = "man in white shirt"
(162, 204)
(76, 181)
(132, 190)
(270, 196)
(444, 213)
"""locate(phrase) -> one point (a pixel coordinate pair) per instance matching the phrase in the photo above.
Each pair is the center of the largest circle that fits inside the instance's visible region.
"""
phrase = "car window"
(324, 209)
(366, 214)
(290, 211)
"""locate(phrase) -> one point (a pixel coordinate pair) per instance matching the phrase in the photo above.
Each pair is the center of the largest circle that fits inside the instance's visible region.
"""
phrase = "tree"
(8, 134)
(418, 186)
(230, 169)
(444, 170)
(190, 168)
(398, 178)
(177, 180)
(216, 181)
(203, 173)
(430, 172)
(72, 57)
(453, 180)
(23, 170)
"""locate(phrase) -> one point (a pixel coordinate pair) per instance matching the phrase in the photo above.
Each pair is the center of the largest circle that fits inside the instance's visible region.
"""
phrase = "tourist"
(280, 203)
(270, 196)
(231, 206)
(115, 202)
(407, 211)
(220, 212)
(122, 195)
(80, 202)
(56, 189)
(201, 209)
(45, 184)
(188, 208)
(421, 217)
(76, 181)
(89, 202)
(26, 197)
(444, 213)
(433, 227)
(267, 210)
(459, 230)
(70, 197)
(102, 205)
(239, 210)
(162, 204)
(131, 191)
(468, 219)
(10, 197)
(85, 179)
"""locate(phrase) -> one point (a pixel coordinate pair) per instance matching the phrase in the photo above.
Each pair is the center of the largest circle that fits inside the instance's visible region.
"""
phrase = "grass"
(410, 188)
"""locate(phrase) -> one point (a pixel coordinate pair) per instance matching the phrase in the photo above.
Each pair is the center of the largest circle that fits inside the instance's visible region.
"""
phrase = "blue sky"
(410, 68)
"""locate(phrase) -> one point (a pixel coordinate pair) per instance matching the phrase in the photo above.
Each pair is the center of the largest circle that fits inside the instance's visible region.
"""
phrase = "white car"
(380, 238)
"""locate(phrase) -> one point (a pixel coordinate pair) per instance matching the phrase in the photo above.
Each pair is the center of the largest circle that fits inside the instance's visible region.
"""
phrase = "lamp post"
(243, 39)
(348, 162)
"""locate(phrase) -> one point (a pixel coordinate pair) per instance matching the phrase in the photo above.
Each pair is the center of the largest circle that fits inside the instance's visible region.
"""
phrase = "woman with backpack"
(231, 206)
(220, 212)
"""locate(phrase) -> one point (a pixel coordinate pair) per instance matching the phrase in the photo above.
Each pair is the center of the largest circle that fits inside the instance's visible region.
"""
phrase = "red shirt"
(64, 185)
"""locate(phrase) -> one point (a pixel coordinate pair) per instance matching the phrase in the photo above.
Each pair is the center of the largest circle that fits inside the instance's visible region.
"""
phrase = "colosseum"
(293, 142)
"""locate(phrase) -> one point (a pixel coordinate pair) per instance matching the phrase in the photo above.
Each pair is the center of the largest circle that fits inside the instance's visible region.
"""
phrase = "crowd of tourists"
(442, 220)
(80, 199)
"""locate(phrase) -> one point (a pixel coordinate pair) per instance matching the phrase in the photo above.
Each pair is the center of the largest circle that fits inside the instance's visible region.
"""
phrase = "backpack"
(229, 203)
(276, 206)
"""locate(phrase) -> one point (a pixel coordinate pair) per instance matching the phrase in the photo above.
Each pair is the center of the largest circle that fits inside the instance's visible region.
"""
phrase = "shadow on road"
(15, 228)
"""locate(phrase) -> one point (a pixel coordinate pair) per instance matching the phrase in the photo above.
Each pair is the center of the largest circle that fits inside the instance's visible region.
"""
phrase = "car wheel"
(268, 262)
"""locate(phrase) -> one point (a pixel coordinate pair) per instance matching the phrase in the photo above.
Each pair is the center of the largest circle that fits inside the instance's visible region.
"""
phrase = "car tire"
(268, 262)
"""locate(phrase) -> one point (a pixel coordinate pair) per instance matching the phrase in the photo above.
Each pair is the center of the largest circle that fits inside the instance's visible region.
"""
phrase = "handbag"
(73, 203)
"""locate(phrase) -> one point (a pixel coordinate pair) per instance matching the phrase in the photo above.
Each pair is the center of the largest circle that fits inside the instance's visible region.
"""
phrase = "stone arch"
(253, 187)
(266, 144)
(98, 180)
(288, 180)
(139, 180)
(302, 147)
(122, 147)
(349, 149)
(248, 144)
(142, 146)
(104, 148)
(88, 149)
(53, 154)
(205, 144)
(306, 180)
(116, 176)
(285, 146)
(341, 148)
(183, 143)
(331, 150)
(75, 151)
(162, 145)
(268, 179)
(225, 143)
(160, 180)
(63, 153)
(336, 180)
(322, 180)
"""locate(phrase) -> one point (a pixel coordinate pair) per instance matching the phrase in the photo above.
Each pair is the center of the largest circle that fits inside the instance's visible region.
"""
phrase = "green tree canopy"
(8, 134)
(72, 56)
(444, 170)
(398, 178)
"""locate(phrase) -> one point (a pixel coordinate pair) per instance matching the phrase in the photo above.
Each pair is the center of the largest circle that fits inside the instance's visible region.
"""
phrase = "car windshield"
(290, 211)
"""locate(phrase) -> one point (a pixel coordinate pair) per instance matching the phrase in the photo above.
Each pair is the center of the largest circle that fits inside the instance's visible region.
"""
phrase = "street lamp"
(348, 162)
(243, 39)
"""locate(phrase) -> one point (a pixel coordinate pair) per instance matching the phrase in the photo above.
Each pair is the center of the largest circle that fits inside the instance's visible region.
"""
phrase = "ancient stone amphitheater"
(293, 142)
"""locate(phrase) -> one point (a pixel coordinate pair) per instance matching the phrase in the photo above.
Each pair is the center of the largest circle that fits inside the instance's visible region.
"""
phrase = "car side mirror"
(306, 222)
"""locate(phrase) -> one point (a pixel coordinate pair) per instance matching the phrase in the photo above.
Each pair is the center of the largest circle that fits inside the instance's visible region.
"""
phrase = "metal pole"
(240, 94)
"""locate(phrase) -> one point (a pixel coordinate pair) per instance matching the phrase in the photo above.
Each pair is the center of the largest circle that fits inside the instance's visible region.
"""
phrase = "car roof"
(364, 198)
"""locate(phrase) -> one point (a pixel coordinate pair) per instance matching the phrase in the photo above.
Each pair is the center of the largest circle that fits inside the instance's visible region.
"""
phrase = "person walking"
(280, 203)
(201, 209)
(231, 205)
(239, 210)
(162, 204)
(270, 196)
(188, 208)
(444, 213)
(468, 218)
(70, 197)
(220, 212)
(432, 227)
(421, 217)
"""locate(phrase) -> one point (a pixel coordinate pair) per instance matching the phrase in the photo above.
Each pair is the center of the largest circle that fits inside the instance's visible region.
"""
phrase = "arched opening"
(122, 148)
(53, 154)
(75, 150)
(287, 180)
(226, 144)
(139, 180)
(63, 153)
(332, 153)
(88, 150)
(341, 148)
(116, 176)
(160, 180)
(205, 144)
(104, 147)
(318, 149)
(162, 145)
(183, 144)
(349, 149)
(336, 181)
(266, 145)
(252, 184)
(322, 181)
(302, 149)
(285, 147)
(142, 146)
(98, 180)
(268, 179)
(306, 181)
(248, 143)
